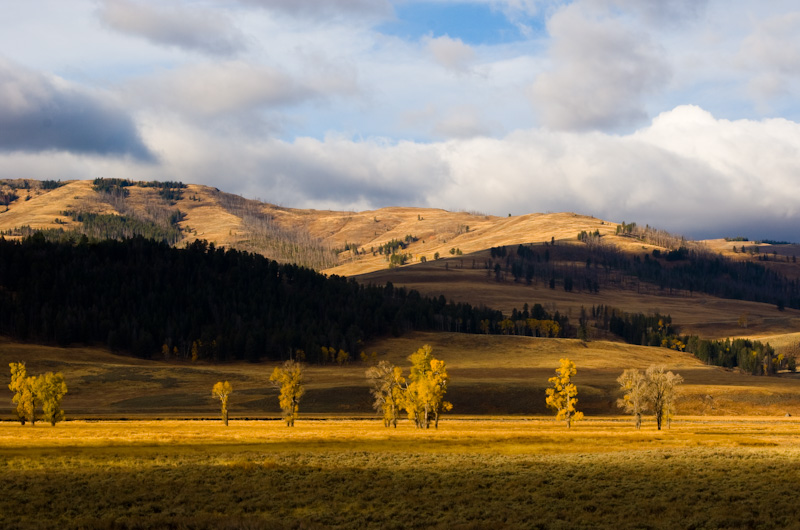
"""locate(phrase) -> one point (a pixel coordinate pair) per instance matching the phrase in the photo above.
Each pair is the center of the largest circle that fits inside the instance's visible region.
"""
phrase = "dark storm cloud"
(42, 114)
(192, 29)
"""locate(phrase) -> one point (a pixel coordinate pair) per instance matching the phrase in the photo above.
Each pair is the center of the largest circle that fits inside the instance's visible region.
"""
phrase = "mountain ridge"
(345, 243)
(235, 222)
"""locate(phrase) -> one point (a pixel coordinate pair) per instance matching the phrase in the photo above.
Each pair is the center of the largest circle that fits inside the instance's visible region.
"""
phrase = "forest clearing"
(487, 473)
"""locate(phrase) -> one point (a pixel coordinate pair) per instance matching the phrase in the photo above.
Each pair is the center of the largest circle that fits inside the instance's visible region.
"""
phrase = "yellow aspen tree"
(417, 394)
(222, 392)
(562, 397)
(661, 390)
(634, 394)
(342, 357)
(386, 381)
(289, 378)
(24, 397)
(426, 387)
(439, 379)
(51, 388)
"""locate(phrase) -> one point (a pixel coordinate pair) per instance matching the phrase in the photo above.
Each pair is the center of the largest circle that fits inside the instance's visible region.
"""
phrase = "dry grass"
(703, 315)
(207, 219)
(45, 206)
(438, 231)
(346, 474)
(489, 375)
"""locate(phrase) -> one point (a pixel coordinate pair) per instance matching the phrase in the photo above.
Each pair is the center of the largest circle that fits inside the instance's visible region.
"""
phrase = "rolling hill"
(350, 244)
(347, 240)
(491, 374)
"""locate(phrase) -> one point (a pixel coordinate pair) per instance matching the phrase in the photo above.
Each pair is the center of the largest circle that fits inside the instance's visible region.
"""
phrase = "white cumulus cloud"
(183, 26)
(601, 71)
(451, 53)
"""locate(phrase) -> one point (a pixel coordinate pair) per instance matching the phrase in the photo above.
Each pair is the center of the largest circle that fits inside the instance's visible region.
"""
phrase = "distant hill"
(400, 244)
(174, 212)
(344, 243)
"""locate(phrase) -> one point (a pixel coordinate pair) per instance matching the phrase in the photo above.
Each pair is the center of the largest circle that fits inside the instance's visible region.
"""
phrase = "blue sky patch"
(472, 23)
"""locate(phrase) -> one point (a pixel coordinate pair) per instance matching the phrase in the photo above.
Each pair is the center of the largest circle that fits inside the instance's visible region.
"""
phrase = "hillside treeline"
(594, 266)
(265, 236)
(98, 227)
(170, 191)
(749, 356)
(149, 299)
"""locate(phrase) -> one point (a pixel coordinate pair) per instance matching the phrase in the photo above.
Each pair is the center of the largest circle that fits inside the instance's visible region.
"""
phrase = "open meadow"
(489, 374)
(487, 473)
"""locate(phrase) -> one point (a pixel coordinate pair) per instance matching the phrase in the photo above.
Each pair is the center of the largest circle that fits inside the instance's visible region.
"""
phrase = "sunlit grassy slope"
(492, 375)
(432, 230)
(707, 316)
(206, 217)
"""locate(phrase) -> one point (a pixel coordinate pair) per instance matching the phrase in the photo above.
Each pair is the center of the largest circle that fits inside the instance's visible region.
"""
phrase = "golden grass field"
(493, 473)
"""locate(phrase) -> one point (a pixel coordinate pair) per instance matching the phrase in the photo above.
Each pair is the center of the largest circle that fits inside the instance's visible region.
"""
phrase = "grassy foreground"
(703, 473)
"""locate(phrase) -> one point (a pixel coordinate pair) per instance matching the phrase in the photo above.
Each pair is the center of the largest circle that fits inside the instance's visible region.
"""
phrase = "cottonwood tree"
(222, 392)
(425, 389)
(24, 397)
(31, 392)
(289, 378)
(51, 388)
(439, 379)
(634, 389)
(562, 397)
(386, 382)
(661, 391)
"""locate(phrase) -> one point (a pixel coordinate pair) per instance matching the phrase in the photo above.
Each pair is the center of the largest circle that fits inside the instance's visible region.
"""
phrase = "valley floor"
(519, 473)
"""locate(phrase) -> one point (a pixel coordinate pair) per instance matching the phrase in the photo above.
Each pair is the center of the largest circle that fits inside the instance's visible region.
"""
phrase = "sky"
(680, 114)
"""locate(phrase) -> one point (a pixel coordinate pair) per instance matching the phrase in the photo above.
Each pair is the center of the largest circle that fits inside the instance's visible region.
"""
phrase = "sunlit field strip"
(512, 473)
(469, 435)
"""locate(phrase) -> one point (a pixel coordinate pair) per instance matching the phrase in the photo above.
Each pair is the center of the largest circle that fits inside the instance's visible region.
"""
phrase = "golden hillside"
(318, 238)
(233, 222)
